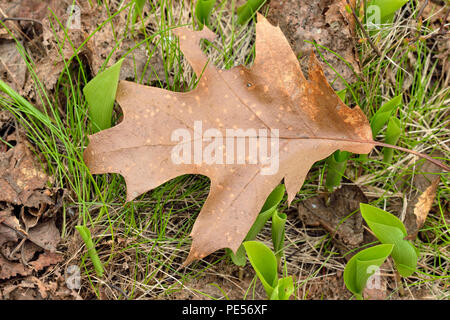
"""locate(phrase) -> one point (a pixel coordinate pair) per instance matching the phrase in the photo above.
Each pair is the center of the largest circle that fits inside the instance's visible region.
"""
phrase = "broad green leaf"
(362, 265)
(381, 117)
(393, 133)
(404, 253)
(203, 9)
(385, 8)
(283, 290)
(390, 230)
(373, 214)
(274, 198)
(264, 263)
(278, 231)
(246, 11)
(272, 201)
(239, 257)
(100, 95)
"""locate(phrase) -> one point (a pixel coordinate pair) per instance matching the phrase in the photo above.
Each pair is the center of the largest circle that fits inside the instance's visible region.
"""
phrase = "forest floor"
(46, 59)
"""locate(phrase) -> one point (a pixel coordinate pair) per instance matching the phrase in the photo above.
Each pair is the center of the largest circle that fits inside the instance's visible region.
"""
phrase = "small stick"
(20, 19)
(419, 14)
(374, 47)
(112, 286)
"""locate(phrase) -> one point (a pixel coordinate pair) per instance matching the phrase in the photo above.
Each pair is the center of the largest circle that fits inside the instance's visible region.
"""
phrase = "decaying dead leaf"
(328, 24)
(273, 96)
(425, 202)
(12, 67)
(45, 235)
(10, 269)
(27, 210)
(421, 196)
(20, 175)
(334, 215)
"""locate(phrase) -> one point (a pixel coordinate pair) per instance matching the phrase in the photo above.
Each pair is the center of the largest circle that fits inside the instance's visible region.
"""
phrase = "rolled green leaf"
(364, 264)
(86, 236)
(264, 263)
(203, 9)
(278, 231)
(390, 230)
(247, 11)
(100, 95)
(381, 117)
(393, 133)
(272, 201)
(336, 165)
(283, 290)
(274, 198)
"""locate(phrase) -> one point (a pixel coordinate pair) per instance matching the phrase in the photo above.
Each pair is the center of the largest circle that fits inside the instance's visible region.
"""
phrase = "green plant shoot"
(336, 165)
(100, 95)
(264, 263)
(278, 232)
(87, 238)
(382, 11)
(364, 264)
(337, 162)
(273, 200)
(390, 230)
(393, 133)
(382, 116)
(203, 9)
(247, 10)
(283, 290)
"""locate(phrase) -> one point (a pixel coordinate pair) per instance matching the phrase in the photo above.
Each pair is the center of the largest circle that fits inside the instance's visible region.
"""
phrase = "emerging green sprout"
(203, 9)
(380, 12)
(248, 10)
(265, 264)
(391, 232)
(268, 211)
(100, 106)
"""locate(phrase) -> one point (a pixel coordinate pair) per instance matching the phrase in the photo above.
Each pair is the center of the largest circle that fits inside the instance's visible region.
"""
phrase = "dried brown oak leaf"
(273, 95)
